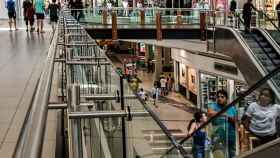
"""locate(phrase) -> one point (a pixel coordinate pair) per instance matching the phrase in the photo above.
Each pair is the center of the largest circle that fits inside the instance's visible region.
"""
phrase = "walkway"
(174, 110)
(21, 59)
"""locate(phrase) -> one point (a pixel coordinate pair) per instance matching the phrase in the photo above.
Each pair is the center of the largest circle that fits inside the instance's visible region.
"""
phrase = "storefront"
(199, 82)
(211, 83)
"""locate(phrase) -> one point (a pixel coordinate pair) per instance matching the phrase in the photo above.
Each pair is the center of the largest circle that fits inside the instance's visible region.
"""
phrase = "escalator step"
(276, 61)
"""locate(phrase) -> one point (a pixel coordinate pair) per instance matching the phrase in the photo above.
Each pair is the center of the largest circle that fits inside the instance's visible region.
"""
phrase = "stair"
(160, 143)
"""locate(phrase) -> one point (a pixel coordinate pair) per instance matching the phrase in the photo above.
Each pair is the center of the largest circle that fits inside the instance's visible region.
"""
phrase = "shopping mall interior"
(142, 79)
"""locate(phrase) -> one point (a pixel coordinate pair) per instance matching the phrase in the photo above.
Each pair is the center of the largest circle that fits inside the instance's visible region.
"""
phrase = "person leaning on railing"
(260, 117)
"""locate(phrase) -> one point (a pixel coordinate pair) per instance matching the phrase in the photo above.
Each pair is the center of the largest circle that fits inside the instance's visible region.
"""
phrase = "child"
(53, 9)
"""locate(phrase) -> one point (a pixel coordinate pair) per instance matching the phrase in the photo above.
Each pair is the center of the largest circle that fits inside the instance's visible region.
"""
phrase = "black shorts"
(54, 18)
(40, 15)
(12, 15)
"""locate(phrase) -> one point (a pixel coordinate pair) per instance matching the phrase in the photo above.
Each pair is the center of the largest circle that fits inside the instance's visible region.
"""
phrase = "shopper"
(278, 12)
(232, 9)
(260, 117)
(155, 93)
(224, 133)
(28, 13)
(78, 6)
(170, 82)
(40, 15)
(247, 14)
(200, 136)
(10, 5)
(163, 83)
(53, 10)
(142, 94)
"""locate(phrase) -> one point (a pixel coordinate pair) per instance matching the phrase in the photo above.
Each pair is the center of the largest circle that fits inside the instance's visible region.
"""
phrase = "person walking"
(40, 15)
(232, 9)
(10, 5)
(155, 93)
(53, 10)
(247, 14)
(28, 13)
(199, 136)
(278, 12)
(260, 117)
(224, 126)
(170, 82)
(78, 6)
(163, 84)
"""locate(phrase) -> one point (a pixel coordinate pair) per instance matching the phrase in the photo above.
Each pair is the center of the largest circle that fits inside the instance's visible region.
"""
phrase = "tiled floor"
(174, 110)
(21, 59)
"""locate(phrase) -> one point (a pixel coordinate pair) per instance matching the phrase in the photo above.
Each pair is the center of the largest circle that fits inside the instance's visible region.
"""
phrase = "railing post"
(158, 26)
(142, 17)
(179, 17)
(114, 26)
(104, 16)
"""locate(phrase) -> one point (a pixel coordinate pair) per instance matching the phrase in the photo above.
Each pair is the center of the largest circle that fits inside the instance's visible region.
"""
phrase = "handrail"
(242, 96)
(152, 114)
(30, 143)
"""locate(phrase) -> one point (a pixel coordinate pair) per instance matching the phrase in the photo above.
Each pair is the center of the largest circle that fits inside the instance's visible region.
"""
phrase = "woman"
(200, 136)
(260, 117)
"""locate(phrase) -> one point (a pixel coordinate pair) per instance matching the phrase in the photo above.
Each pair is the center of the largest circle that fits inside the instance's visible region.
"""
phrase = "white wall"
(203, 63)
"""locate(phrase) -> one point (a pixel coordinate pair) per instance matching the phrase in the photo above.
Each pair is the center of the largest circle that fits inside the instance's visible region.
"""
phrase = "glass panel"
(250, 122)
(100, 90)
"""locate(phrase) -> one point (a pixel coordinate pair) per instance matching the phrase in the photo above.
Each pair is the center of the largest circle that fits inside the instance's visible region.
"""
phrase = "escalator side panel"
(228, 44)
(268, 150)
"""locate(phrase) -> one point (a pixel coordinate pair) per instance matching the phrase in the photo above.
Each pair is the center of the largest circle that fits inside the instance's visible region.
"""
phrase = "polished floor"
(22, 56)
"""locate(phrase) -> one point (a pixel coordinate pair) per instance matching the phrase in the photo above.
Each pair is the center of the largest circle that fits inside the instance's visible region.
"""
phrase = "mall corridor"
(21, 60)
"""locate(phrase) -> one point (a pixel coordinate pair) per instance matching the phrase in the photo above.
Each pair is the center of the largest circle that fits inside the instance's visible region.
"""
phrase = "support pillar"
(104, 17)
(114, 26)
(179, 18)
(158, 63)
(203, 26)
(158, 26)
(142, 17)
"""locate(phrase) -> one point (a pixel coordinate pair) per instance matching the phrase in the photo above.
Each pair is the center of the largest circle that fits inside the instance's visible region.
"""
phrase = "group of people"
(259, 118)
(30, 9)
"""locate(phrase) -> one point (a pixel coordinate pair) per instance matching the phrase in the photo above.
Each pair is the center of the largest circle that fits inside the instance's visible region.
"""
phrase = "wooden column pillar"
(104, 17)
(142, 17)
(158, 26)
(202, 25)
(179, 18)
(114, 26)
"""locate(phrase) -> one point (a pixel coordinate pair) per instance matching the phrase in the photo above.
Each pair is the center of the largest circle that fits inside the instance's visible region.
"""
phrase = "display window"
(183, 75)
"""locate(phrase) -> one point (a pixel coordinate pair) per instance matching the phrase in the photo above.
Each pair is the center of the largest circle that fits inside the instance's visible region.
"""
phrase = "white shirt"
(163, 83)
(125, 4)
(263, 119)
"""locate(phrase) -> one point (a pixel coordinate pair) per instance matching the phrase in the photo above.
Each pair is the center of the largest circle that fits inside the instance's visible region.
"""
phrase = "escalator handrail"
(242, 96)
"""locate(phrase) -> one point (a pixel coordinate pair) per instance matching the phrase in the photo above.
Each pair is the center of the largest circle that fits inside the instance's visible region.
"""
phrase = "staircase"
(160, 143)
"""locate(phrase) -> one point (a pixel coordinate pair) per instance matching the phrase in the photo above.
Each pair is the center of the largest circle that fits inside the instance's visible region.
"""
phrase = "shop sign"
(225, 68)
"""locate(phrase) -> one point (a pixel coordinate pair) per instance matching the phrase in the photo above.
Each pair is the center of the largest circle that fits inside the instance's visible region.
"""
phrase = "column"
(158, 62)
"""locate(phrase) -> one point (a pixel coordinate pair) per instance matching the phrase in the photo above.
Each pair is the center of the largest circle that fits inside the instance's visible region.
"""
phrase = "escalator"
(255, 54)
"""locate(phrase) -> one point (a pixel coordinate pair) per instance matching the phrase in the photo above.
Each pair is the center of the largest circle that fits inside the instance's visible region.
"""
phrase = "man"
(247, 14)
(224, 126)
(278, 12)
(10, 5)
(232, 9)
(28, 13)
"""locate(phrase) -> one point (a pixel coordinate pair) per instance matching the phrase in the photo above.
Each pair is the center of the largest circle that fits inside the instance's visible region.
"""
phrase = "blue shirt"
(221, 121)
(40, 6)
(10, 5)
